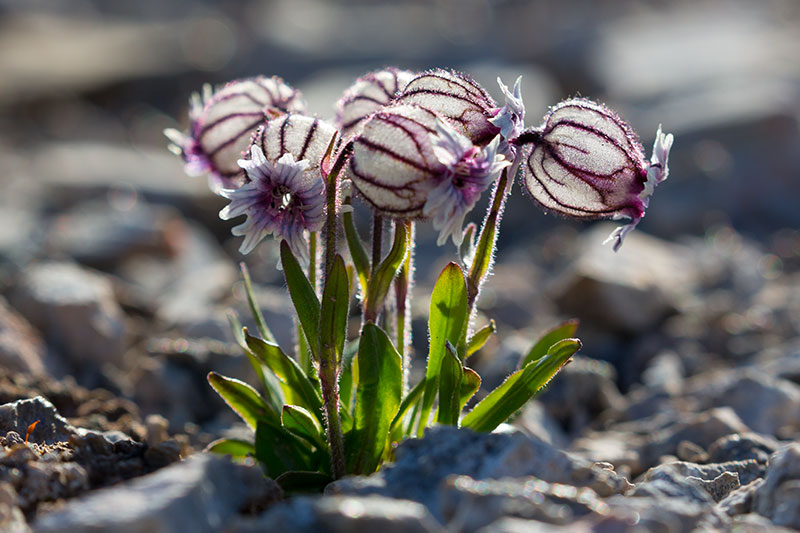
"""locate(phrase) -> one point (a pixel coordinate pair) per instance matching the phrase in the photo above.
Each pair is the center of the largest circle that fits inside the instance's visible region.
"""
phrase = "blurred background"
(116, 271)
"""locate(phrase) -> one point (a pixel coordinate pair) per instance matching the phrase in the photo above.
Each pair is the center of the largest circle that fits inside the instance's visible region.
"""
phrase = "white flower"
(511, 117)
(280, 199)
(469, 171)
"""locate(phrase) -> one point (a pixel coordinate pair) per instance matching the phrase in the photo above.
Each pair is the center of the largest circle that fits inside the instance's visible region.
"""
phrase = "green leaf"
(280, 451)
(357, 251)
(565, 330)
(335, 307)
(380, 384)
(298, 388)
(238, 449)
(409, 401)
(303, 297)
(449, 387)
(480, 337)
(242, 398)
(261, 324)
(300, 422)
(381, 280)
(447, 319)
(519, 387)
(346, 387)
(295, 482)
(470, 384)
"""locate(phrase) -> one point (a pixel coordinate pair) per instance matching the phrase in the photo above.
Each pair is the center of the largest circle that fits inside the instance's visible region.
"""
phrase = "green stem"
(484, 251)
(328, 365)
(403, 285)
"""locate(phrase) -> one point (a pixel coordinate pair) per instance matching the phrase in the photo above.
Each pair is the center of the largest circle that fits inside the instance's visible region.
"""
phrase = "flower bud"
(367, 95)
(456, 97)
(306, 138)
(222, 122)
(588, 163)
(409, 161)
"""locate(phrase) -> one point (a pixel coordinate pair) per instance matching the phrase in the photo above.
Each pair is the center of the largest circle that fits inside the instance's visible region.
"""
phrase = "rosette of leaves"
(286, 411)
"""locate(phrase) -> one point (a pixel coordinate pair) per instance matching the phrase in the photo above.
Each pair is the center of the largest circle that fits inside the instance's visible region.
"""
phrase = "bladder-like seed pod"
(368, 94)
(586, 162)
(306, 138)
(222, 122)
(410, 162)
(456, 97)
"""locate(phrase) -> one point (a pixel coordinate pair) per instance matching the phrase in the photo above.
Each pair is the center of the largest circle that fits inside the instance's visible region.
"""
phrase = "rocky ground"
(681, 412)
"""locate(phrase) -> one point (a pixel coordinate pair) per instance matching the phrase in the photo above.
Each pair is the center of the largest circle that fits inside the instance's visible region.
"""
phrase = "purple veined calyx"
(306, 138)
(284, 192)
(368, 94)
(222, 122)
(456, 97)
(587, 162)
(409, 162)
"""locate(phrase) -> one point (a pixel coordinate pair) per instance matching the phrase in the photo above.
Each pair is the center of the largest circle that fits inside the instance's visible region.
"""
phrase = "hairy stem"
(487, 238)
(403, 284)
(328, 375)
(328, 365)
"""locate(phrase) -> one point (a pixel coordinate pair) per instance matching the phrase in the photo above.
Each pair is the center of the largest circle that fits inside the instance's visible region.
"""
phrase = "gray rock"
(747, 470)
(778, 498)
(76, 310)
(584, 389)
(755, 523)
(422, 464)
(200, 494)
(534, 420)
(620, 448)
(766, 404)
(630, 291)
(741, 446)
(342, 514)
(101, 233)
(11, 518)
(52, 427)
(702, 429)
(469, 505)
(740, 501)
(657, 513)
(21, 347)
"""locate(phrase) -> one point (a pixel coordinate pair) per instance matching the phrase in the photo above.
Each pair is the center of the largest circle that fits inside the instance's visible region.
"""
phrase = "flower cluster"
(420, 145)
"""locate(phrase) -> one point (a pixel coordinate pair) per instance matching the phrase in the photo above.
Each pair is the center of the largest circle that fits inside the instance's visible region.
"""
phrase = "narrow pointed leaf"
(303, 297)
(380, 382)
(565, 330)
(272, 389)
(298, 389)
(242, 398)
(357, 252)
(449, 387)
(519, 387)
(261, 324)
(236, 448)
(280, 451)
(470, 384)
(346, 387)
(300, 422)
(411, 399)
(381, 280)
(446, 321)
(334, 310)
(478, 340)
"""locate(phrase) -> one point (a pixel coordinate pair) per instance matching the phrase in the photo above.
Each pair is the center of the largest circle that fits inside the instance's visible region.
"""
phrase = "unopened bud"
(367, 95)
(588, 163)
(222, 122)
